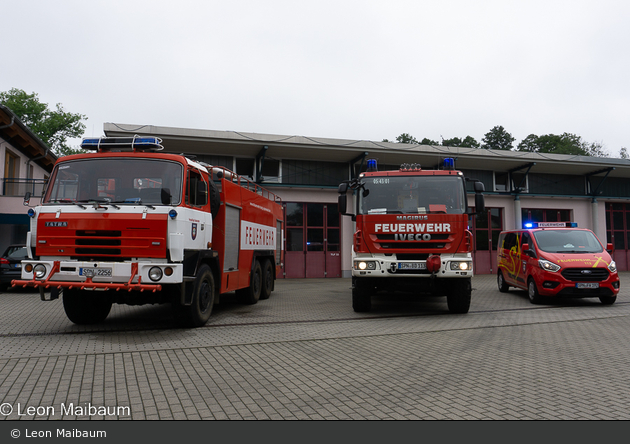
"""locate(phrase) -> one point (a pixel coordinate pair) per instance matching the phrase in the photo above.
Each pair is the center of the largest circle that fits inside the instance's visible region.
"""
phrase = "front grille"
(585, 274)
(99, 251)
(413, 246)
(412, 256)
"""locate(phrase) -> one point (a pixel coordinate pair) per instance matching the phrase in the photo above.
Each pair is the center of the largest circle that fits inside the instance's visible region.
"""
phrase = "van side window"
(527, 239)
(510, 241)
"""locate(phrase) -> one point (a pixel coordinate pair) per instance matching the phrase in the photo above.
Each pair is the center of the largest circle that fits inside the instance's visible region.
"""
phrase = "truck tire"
(503, 286)
(459, 295)
(532, 292)
(267, 279)
(198, 312)
(362, 296)
(86, 307)
(251, 294)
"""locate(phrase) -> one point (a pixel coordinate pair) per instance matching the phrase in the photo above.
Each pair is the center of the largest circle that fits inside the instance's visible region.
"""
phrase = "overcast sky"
(361, 70)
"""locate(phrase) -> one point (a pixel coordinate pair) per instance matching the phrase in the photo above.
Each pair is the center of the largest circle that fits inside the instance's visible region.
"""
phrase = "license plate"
(91, 272)
(412, 265)
(18, 265)
(587, 285)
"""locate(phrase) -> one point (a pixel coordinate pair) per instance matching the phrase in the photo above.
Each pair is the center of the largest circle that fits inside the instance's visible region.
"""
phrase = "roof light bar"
(550, 224)
(134, 143)
(449, 163)
(372, 165)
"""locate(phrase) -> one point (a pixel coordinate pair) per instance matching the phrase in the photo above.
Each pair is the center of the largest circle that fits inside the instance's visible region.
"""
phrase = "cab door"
(509, 258)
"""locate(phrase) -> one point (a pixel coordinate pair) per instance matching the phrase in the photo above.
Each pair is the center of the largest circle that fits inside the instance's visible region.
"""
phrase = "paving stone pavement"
(304, 354)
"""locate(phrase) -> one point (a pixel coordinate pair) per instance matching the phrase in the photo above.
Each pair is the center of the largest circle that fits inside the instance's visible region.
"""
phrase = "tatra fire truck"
(128, 224)
(411, 233)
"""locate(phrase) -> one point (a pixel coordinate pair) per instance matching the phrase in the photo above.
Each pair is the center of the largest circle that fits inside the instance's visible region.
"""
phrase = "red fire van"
(556, 259)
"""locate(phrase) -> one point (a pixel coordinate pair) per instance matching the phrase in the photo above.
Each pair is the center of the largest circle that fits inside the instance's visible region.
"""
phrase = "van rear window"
(567, 241)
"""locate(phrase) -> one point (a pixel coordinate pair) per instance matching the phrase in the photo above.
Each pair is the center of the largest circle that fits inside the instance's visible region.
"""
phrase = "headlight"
(365, 265)
(462, 266)
(612, 266)
(155, 274)
(39, 270)
(548, 266)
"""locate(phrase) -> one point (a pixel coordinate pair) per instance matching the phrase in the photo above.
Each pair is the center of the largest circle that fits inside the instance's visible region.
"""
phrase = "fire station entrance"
(311, 240)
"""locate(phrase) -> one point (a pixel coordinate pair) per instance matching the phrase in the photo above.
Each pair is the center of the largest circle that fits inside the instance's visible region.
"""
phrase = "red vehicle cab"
(556, 259)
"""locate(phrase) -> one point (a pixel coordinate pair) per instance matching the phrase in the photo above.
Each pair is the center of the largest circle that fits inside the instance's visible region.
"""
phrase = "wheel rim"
(532, 290)
(500, 279)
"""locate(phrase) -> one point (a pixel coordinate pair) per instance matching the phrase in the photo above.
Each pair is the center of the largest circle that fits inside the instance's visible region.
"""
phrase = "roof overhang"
(19, 136)
(239, 144)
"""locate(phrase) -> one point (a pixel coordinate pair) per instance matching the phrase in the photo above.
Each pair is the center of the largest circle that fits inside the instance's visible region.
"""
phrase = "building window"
(486, 228)
(501, 182)
(545, 215)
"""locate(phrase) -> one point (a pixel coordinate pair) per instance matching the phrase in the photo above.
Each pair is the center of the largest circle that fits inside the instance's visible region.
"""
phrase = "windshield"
(115, 180)
(413, 195)
(567, 241)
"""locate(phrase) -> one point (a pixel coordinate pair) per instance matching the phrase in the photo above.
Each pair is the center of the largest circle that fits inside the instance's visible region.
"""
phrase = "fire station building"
(306, 172)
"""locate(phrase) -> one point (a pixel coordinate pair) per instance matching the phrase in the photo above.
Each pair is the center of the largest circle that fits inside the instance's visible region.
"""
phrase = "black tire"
(251, 294)
(532, 292)
(267, 279)
(215, 199)
(459, 296)
(203, 290)
(503, 286)
(607, 300)
(86, 307)
(362, 296)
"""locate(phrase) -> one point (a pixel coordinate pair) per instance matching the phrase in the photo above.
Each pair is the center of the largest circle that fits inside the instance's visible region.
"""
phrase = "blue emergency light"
(371, 165)
(135, 143)
(449, 163)
(550, 224)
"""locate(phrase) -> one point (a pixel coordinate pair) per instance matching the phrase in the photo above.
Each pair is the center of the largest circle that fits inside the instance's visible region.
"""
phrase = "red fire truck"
(411, 233)
(130, 225)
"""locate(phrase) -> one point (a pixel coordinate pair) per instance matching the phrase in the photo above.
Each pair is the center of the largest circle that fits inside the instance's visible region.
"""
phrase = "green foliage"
(406, 138)
(53, 127)
(497, 139)
(566, 143)
(623, 153)
(426, 141)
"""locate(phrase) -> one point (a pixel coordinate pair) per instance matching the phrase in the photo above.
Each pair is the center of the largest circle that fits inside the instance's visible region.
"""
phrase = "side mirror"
(479, 188)
(27, 198)
(525, 248)
(342, 203)
(165, 196)
(480, 202)
(609, 247)
(343, 188)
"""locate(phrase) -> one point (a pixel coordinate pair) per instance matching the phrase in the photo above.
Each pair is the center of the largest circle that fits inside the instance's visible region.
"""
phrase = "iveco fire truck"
(411, 233)
(128, 224)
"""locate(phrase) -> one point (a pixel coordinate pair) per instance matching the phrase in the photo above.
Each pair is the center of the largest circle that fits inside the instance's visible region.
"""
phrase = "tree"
(566, 143)
(426, 141)
(53, 127)
(406, 138)
(497, 139)
(470, 142)
(455, 141)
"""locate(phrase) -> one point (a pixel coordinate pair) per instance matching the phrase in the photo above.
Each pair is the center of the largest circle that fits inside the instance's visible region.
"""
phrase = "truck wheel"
(198, 312)
(267, 279)
(86, 307)
(361, 296)
(503, 287)
(251, 294)
(607, 300)
(459, 295)
(532, 292)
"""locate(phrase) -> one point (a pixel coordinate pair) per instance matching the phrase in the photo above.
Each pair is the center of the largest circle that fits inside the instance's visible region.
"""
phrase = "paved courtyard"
(304, 354)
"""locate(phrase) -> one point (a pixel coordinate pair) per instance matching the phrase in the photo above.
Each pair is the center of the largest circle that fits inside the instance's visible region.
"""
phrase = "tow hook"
(393, 267)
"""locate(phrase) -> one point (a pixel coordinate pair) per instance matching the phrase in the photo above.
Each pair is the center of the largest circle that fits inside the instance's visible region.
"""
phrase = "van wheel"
(532, 292)
(503, 286)
(607, 300)
(267, 279)
(86, 307)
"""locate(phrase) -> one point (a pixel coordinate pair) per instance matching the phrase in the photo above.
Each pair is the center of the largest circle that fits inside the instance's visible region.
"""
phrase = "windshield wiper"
(96, 202)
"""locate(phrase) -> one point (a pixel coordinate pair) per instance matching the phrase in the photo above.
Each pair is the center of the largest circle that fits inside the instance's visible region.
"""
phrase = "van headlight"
(548, 266)
(612, 267)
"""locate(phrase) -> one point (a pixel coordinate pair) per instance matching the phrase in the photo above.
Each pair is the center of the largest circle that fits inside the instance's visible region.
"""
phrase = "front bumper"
(85, 275)
(390, 267)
